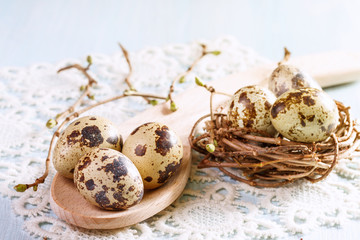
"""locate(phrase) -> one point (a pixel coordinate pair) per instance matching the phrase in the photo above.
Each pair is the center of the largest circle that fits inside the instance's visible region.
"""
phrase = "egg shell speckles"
(286, 77)
(156, 151)
(81, 136)
(250, 108)
(305, 115)
(108, 179)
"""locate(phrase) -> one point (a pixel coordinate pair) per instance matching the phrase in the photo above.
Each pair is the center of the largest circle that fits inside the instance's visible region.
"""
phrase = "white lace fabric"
(212, 206)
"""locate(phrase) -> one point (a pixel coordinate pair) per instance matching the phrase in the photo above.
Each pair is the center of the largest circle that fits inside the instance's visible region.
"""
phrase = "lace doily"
(212, 206)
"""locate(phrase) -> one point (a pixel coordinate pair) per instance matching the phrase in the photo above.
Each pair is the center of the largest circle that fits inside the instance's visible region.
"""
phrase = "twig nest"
(305, 115)
(259, 160)
(80, 137)
(250, 108)
(156, 151)
(315, 132)
(286, 77)
(108, 179)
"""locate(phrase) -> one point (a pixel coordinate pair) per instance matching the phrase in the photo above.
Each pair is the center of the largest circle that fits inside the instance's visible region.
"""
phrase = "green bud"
(91, 96)
(82, 88)
(154, 102)
(199, 82)
(210, 148)
(173, 107)
(89, 59)
(182, 79)
(215, 143)
(20, 187)
(215, 53)
(35, 188)
(51, 123)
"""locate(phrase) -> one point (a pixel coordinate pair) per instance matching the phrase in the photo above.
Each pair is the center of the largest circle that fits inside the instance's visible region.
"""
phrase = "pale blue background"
(49, 31)
(41, 30)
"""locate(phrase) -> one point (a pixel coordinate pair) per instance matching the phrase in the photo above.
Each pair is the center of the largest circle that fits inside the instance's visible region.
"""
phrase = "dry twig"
(286, 58)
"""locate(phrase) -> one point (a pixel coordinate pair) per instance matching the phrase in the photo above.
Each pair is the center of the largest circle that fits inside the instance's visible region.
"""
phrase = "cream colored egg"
(250, 108)
(305, 115)
(81, 136)
(286, 77)
(156, 151)
(108, 179)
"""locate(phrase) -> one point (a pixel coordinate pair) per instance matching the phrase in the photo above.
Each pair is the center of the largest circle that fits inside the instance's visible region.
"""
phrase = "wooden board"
(329, 69)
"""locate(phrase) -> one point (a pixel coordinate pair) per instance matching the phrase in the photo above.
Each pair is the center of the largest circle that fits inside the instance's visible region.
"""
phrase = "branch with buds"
(181, 78)
(70, 113)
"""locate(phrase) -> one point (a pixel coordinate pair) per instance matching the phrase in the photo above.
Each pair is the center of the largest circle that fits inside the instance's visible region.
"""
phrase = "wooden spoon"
(328, 69)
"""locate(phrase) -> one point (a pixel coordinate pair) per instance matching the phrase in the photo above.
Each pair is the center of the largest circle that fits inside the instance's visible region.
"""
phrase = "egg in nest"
(108, 179)
(250, 108)
(286, 77)
(305, 115)
(81, 136)
(156, 151)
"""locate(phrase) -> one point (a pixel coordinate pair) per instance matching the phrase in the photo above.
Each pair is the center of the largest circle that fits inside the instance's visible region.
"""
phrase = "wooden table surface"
(49, 31)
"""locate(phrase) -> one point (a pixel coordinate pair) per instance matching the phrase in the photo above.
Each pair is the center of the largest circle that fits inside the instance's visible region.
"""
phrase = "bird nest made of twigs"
(255, 158)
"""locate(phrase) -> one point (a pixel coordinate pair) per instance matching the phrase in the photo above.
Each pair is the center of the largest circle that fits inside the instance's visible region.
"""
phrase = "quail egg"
(286, 77)
(156, 151)
(81, 136)
(108, 179)
(305, 115)
(250, 108)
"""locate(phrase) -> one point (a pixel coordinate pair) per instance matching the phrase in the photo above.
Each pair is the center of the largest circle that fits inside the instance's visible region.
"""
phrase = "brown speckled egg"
(81, 136)
(305, 115)
(250, 108)
(156, 151)
(108, 179)
(287, 77)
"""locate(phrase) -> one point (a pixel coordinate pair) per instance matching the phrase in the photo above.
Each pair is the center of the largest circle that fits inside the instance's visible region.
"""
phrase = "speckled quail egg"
(156, 151)
(250, 108)
(81, 136)
(286, 77)
(305, 115)
(108, 179)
